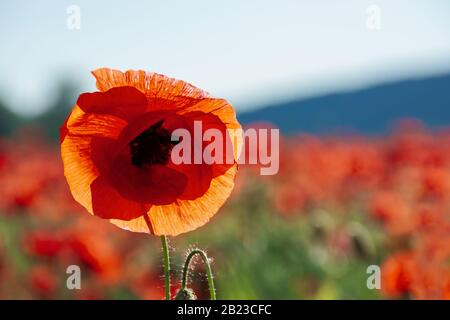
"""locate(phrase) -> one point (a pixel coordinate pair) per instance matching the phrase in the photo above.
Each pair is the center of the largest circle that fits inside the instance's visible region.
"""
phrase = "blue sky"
(249, 52)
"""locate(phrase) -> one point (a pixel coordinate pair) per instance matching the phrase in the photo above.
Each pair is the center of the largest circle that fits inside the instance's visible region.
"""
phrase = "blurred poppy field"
(338, 205)
(92, 97)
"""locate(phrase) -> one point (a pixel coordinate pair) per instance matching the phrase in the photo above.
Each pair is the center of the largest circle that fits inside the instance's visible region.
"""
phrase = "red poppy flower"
(397, 272)
(116, 148)
(43, 281)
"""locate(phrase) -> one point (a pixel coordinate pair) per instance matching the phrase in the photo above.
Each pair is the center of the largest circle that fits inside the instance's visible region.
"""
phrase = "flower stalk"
(166, 262)
(209, 275)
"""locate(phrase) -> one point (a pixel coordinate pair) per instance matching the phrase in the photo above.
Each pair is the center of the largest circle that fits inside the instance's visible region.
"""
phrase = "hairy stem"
(212, 289)
(166, 259)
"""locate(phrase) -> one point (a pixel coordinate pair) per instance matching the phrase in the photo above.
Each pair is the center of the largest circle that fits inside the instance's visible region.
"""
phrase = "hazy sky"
(249, 52)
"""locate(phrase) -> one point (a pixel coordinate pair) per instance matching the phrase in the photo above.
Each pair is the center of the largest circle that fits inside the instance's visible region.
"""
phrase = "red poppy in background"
(397, 272)
(116, 148)
(43, 281)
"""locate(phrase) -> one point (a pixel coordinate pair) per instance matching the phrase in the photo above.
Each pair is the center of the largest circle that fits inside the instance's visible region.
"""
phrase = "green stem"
(165, 249)
(212, 289)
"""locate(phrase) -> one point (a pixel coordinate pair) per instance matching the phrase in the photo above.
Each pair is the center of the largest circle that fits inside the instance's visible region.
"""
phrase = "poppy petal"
(153, 85)
(124, 102)
(79, 168)
(107, 203)
(219, 107)
(211, 121)
(155, 184)
(198, 179)
(225, 112)
(184, 215)
(96, 125)
(77, 150)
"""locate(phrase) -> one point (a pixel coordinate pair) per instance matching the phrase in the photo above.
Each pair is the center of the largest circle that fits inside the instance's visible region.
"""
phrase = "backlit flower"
(116, 148)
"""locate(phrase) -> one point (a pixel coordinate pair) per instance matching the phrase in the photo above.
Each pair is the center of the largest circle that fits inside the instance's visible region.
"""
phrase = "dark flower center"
(152, 146)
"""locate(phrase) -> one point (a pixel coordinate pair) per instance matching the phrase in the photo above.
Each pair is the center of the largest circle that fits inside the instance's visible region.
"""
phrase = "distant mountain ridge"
(366, 111)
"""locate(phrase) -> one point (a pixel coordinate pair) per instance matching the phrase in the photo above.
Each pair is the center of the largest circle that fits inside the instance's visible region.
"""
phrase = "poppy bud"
(186, 294)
